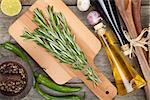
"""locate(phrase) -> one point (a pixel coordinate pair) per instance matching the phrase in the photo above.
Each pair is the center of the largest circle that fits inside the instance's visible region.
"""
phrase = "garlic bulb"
(83, 5)
(93, 17)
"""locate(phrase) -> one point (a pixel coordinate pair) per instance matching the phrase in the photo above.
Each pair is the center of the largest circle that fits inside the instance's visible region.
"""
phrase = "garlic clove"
(83, 5)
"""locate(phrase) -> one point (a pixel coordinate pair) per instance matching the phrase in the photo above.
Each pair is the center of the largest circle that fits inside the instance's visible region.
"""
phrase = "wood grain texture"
(71, 2)
(84, 38)
(126, 13)
(101, 60)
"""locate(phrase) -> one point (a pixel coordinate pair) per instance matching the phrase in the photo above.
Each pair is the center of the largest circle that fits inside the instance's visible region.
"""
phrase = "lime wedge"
(11, 7)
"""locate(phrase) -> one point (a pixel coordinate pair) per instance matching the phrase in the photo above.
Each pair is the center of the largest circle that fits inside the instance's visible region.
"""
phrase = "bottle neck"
(110, 15)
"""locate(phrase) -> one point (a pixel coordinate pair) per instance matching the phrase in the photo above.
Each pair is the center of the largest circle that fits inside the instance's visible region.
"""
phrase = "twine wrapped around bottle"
(140, 41)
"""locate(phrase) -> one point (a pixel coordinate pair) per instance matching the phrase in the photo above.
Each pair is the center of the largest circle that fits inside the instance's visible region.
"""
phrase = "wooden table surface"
(100, 59)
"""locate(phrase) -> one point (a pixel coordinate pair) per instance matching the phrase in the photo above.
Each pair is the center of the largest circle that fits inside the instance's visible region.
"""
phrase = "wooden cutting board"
(61, 73)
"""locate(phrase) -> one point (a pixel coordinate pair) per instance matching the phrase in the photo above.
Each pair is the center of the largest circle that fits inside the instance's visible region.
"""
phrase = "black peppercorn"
(15, 78)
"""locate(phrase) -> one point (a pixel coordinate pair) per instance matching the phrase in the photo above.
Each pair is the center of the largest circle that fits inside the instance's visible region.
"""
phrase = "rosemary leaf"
(54, 35)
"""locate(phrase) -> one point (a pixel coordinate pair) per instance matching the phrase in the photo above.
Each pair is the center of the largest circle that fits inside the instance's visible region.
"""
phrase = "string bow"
(140, 41)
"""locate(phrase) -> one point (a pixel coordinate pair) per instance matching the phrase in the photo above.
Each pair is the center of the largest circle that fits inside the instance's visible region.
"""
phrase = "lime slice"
(11, 7)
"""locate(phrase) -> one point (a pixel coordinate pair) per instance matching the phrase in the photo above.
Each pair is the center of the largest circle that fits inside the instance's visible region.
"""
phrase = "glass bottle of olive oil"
(127, 79)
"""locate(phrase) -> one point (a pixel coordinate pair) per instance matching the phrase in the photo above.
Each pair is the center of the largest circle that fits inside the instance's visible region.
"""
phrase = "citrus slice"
(11, 7)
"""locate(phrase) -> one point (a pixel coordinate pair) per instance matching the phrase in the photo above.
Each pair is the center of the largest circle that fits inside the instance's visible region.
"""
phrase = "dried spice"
(16, 78)
(13, 78)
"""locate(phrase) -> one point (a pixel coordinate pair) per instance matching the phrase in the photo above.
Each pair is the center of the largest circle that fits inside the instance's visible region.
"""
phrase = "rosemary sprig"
(54, 35)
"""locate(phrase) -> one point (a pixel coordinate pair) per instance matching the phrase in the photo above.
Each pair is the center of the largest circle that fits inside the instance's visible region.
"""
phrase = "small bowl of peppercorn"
(15, 78)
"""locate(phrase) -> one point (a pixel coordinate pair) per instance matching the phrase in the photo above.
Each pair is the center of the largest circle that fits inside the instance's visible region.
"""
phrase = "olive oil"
(127, 79)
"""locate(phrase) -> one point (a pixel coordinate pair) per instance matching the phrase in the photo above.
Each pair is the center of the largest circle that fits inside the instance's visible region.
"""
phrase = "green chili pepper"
(19, 52)
(49, 97)
(44, 80)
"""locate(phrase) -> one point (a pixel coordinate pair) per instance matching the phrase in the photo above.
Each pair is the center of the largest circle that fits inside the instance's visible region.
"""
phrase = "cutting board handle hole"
(107, 92)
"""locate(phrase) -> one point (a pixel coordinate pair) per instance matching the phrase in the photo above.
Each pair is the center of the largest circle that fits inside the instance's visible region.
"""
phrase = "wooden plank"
(100, 60)
(30, 2)
(145, 16)
(82, 16)
(137, 95)
(145, 2)
(68, 2)
(84, 40)
(71, 2)
(33, 95)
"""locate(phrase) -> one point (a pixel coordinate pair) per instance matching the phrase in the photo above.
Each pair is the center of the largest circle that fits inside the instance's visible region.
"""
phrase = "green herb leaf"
(54, 35)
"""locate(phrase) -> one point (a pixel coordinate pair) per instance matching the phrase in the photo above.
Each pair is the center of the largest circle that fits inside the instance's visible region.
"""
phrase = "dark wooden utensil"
(136, 11)
(125, 8)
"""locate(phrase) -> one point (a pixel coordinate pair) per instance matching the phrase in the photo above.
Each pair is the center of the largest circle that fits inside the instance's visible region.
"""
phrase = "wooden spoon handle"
(125, 9)
(147, 90)
(145, 69)
(136, 10)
